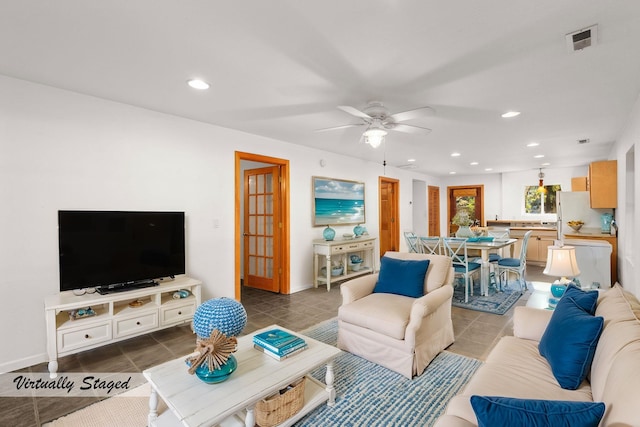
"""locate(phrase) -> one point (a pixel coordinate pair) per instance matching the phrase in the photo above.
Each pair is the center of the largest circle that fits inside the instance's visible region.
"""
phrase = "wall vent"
(583, 141)
(582, 39)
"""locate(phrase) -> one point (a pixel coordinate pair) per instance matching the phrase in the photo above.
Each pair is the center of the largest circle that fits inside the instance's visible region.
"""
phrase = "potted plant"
(463, 220)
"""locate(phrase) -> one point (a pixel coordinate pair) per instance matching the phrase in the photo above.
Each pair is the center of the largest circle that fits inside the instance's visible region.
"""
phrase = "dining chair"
(412, 241)
(515, 265)
(430, 245)
(456, 249)
(497, 233)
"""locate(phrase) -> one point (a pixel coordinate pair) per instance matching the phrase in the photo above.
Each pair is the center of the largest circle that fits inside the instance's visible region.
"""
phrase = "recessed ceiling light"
(411, 160)
(455, 154)
(474, 163)
(452, 173)
(532, 144)
(538, 156)
(488, 169)
(545, 164)
(510, 114)
(198, 84)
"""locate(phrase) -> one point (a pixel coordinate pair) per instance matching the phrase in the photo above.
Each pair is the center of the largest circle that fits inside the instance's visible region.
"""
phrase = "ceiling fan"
(378, 121)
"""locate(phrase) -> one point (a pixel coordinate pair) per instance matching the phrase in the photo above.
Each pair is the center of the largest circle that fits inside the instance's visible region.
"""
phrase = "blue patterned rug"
(497, 302)
(370, 395)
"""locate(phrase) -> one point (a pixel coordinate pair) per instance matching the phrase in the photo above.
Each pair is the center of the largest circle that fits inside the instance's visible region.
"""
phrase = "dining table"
(485, 245)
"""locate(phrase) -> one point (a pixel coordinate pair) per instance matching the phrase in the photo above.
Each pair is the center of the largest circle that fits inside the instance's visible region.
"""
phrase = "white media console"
(118, 316)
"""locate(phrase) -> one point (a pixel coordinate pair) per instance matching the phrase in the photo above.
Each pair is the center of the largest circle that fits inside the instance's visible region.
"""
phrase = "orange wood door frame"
(388, 214)
(476, 191)
(282, 227)
(433, 197)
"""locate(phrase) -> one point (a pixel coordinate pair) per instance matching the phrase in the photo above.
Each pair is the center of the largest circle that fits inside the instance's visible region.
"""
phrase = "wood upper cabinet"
(579, 183)
(603, 184)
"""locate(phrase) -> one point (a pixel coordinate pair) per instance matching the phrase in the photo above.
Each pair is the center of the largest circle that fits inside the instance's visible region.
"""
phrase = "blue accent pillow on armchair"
(569, 342)
(586, 300)
(494, 411)
(401, 277)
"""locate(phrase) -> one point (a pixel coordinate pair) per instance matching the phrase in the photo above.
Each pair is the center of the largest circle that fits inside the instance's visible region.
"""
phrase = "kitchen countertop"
(594, 232)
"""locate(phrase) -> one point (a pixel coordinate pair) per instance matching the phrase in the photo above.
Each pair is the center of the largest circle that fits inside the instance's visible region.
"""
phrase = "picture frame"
(337, 201)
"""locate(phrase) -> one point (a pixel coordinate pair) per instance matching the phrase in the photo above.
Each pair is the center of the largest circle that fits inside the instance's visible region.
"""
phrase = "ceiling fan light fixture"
(374, 136)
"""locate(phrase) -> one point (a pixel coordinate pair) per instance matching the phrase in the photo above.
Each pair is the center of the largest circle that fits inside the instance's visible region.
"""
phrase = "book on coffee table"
(286, 355)
(278, 341)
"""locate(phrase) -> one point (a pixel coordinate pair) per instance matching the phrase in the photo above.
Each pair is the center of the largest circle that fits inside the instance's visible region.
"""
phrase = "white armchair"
(396, 331)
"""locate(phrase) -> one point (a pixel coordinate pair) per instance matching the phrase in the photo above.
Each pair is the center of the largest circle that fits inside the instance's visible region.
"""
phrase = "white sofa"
(398, 332)
(515, 368)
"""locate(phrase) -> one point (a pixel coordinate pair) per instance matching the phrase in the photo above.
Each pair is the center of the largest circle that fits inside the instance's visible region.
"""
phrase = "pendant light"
(541, 188)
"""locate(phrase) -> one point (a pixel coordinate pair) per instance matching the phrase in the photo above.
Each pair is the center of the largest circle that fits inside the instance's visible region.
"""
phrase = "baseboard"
(14, 365)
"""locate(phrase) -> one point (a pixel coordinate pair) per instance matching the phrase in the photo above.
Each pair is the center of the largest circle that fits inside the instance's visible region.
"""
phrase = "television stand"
(118, 316)
(123, 287)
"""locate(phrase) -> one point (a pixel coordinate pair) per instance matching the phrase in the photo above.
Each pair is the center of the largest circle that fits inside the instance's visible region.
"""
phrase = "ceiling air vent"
(582, 39)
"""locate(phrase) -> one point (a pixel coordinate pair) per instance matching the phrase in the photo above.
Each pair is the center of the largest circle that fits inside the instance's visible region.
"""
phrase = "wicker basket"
(276, 409)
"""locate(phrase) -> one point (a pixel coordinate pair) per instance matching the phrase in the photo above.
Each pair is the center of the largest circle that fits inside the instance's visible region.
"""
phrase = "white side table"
(540, 296)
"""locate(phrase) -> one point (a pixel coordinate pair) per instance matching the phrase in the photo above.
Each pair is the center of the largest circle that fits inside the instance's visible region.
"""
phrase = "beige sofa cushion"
(385, 313)
(439, 267)
(615, 373)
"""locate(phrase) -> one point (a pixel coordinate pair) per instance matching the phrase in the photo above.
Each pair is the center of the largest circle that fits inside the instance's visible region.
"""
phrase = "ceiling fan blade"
(339, 127)
(354, 112)
(411, 129)
(413, 114)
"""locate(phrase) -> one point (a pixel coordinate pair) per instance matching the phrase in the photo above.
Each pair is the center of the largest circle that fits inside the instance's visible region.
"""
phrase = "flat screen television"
(118, 250)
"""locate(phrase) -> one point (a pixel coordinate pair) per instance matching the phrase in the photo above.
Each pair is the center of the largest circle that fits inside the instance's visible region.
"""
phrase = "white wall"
(514, 183)
(62, 150)
(627, 153)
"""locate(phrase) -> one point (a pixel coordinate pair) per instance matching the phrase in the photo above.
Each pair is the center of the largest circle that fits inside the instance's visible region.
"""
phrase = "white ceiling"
(280, 68)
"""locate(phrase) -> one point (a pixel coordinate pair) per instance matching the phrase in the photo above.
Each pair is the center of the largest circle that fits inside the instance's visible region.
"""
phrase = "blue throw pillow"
(493, 411)
(569, 342)
(586, 300)
(402, 277)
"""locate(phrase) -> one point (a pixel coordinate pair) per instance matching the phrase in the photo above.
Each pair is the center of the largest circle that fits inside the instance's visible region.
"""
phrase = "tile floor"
(476, 333)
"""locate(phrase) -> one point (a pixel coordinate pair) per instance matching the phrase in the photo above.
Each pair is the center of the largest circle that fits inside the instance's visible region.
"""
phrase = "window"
(537, 201)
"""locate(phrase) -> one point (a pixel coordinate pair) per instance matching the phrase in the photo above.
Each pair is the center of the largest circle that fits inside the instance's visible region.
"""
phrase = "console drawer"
(177, 313)
(83, 337)
(135, 325)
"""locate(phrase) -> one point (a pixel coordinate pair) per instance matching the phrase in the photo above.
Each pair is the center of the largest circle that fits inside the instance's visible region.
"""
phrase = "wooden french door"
(469, 197)
(433, 200)
(388, 207)
(261, 191)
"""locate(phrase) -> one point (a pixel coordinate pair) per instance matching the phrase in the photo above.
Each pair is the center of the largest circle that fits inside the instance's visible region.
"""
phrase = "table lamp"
(561, 261)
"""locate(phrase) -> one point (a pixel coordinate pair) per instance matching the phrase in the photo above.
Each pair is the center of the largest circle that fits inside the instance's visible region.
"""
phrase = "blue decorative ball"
(224, 314)
(557, 290)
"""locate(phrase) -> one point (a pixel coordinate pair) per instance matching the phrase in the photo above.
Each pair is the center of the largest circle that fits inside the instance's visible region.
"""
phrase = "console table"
(341, 250)
(118, 316)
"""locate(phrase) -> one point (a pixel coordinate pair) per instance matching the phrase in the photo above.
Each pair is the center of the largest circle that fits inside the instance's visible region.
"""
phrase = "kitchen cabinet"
(579, 183)
(603, 184)
(539, 242)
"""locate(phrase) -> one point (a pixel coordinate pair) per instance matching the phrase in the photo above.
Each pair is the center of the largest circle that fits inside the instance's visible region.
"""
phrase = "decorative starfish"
(214, 351)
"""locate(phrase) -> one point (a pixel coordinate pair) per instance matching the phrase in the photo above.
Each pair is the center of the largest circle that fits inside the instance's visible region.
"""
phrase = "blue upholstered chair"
(515, 265)
(456, 249)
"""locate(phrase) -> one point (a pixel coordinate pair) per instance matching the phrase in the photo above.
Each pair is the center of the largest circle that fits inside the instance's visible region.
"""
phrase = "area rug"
(497, 302)
(370, 395)
(366, 394)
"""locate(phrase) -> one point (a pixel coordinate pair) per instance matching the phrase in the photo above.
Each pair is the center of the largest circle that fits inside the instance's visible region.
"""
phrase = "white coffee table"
(230, 403)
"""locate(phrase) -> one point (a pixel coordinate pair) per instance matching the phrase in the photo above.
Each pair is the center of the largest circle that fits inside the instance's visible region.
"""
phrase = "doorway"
(469, 198)
(261, 223)
(388, 189)
(433, 200)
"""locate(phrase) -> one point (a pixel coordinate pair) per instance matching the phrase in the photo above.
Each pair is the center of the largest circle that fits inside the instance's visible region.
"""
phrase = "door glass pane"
(260, 266)
(260, 248)
(252, 244)
(252, 184)
(269, 178)
(269, 221)
(269, 272)
(269, 204)
(252, 265)
(260, 225)
(270, 246)
(260, 204)
(260, 188)
(252, 204)
(252, 224)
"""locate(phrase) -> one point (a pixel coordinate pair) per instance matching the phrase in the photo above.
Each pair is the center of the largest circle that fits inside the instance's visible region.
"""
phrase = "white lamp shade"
(561, 261)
